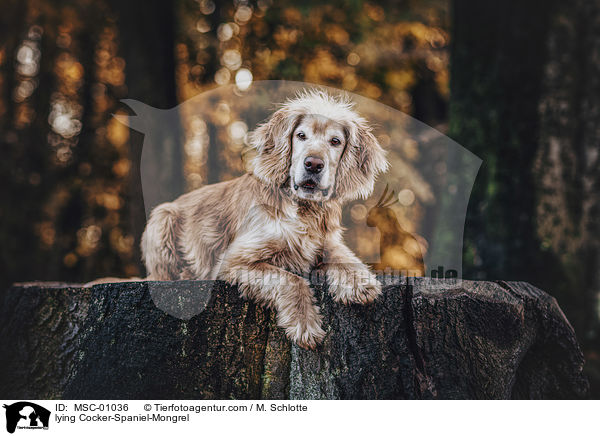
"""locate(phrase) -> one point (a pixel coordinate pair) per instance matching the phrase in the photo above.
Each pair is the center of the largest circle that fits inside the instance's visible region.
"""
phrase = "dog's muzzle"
(310, 185)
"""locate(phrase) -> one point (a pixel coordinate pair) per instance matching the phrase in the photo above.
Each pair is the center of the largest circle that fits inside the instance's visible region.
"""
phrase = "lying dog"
(266, 230)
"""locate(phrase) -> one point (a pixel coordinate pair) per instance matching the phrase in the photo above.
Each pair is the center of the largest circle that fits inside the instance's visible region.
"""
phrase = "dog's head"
(320, 147)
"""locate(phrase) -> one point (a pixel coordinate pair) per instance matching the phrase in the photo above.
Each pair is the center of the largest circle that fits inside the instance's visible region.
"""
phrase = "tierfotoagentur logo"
(26, 415)
(410, 225)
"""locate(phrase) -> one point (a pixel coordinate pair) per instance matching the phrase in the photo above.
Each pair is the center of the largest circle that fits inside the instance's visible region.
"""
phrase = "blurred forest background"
(516, 83)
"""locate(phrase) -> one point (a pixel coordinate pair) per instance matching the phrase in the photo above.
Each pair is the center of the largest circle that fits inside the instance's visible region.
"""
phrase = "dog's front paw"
(306, 335)
(353, 287)
(300, 317)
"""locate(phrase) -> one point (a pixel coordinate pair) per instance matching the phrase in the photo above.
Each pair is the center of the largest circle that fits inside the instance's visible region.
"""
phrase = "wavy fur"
(257, 232)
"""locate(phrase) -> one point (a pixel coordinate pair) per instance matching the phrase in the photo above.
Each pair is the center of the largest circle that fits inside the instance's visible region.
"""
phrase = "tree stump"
(429, 339)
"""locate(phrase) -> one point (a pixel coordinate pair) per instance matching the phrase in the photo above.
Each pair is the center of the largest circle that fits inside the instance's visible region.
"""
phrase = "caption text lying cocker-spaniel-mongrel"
(267, 229)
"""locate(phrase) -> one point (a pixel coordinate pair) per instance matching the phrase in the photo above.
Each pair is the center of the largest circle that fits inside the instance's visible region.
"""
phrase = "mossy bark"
(433, 339)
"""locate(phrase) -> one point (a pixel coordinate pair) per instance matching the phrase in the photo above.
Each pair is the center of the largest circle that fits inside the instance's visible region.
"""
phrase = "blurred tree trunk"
(26, 155)
(525, 97)
(147, 39)
(567, 167)
(10, 38)
(497, 61)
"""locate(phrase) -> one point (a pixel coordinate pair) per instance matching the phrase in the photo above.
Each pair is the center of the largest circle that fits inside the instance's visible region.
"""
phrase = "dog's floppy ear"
(362, 161)
(273, 143)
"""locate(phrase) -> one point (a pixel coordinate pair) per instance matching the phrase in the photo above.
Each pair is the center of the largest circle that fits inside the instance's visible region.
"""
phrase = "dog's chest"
(300, 239)
(294, 241)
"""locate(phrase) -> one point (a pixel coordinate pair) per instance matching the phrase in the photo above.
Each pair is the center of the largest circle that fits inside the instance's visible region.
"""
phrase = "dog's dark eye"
(335, 141)
(301, 135)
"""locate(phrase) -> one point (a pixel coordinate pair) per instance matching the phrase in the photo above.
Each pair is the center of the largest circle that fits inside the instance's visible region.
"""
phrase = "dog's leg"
(348, 279)
(159, 243)
(289, 294)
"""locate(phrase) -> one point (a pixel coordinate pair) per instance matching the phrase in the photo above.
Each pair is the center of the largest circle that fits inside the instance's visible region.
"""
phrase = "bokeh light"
(243, 79)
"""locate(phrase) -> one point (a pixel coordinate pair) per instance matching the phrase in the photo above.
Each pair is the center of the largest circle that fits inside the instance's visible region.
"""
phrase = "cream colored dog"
(266, 230)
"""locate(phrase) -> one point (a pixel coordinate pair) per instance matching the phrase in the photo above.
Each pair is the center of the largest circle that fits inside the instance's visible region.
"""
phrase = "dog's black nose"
(313, 164)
